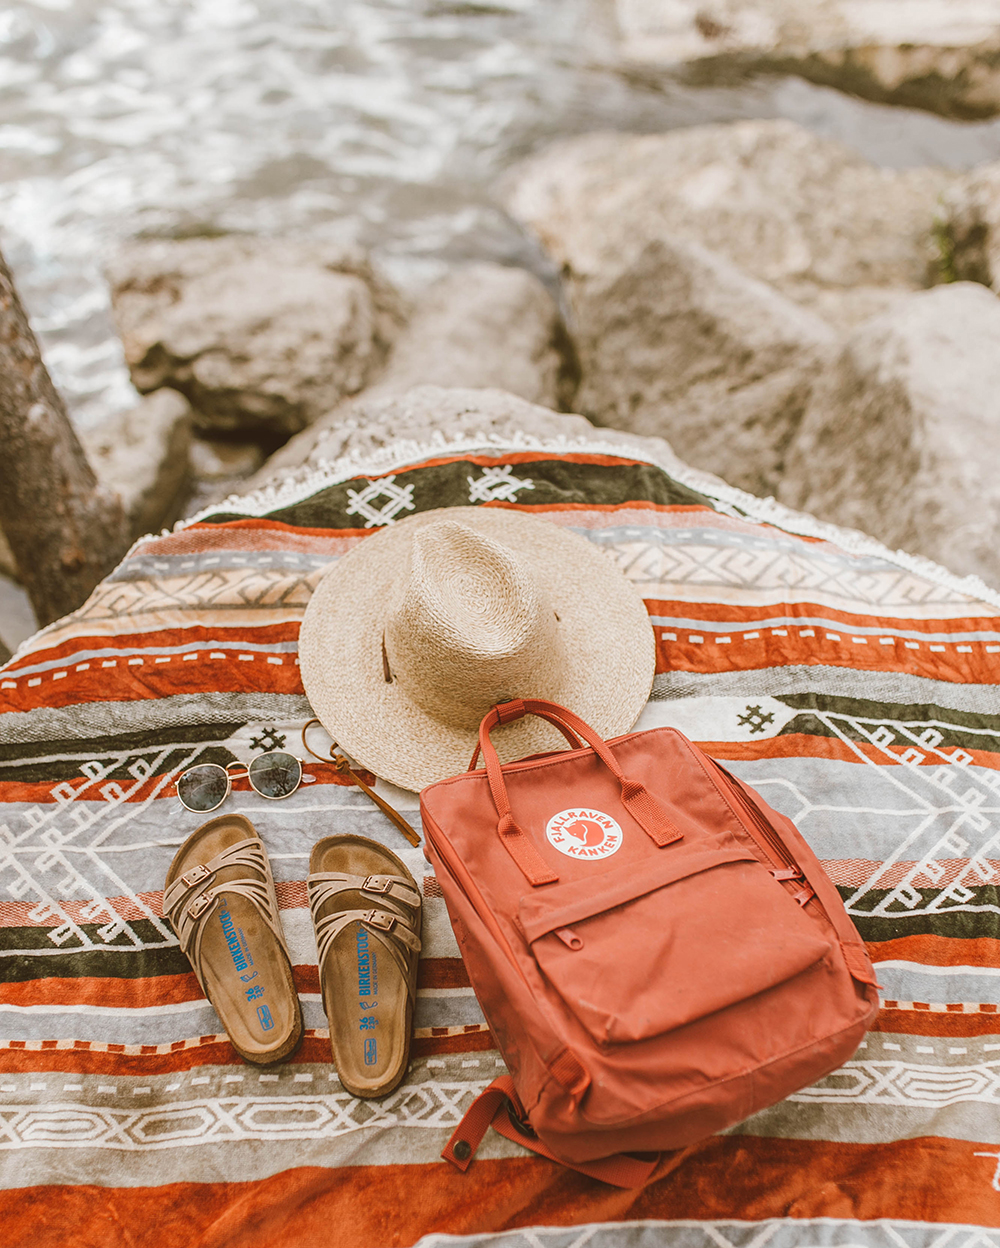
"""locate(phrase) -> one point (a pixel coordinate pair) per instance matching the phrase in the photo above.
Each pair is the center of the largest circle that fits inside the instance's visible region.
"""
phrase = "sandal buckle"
(200, 904)
(377, 884)
(378, 918)
(196, 875)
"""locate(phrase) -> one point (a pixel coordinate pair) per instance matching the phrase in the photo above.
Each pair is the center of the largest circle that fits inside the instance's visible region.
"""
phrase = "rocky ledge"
(940, 57)
(760, 302)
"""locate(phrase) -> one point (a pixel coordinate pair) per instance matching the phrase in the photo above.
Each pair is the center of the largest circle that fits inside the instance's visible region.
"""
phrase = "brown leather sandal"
(366, 911)
(219, 898)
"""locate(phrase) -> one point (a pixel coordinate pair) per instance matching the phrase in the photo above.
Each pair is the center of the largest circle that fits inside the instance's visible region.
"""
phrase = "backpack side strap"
(499, 1107)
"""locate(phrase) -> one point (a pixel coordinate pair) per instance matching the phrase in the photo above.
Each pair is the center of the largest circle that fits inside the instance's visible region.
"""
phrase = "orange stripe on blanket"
(805, 745)
(956, 1019)
(730, 1177)
(937, 950)
(142, 992)
(802, 612)
(146, 680)
(674, 652)
(86, 1057)
(525, 457)
(863, 872)
(122, 644)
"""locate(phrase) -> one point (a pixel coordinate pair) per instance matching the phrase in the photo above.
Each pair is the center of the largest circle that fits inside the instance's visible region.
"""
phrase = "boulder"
(8, 565)
(261, 336)
(486, 325)
(804, 213)
(901, 436)
(17, 617)
(426, 413)
(969, 233)
(680, 343)
(218, 468)
(144, 454)
(944, 57)
(483, 325)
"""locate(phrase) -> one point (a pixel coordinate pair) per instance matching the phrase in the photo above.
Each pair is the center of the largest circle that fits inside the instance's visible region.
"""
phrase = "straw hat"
(413, 635)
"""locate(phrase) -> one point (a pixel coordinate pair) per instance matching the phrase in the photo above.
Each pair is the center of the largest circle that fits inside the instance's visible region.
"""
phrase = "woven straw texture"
(473, 605)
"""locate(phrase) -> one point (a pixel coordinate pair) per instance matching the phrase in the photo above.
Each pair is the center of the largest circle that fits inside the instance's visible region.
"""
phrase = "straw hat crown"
(472, 626)
(413, 635)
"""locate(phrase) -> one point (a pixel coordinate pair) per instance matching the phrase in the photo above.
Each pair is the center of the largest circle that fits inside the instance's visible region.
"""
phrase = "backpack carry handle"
(636, 798)
(572, 740)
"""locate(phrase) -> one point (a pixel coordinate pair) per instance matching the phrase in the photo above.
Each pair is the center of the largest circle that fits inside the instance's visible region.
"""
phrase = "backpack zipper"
(773, 846)
(475, 899)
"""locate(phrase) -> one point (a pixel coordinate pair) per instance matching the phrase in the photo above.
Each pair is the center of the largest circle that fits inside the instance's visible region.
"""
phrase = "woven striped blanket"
(855, 688)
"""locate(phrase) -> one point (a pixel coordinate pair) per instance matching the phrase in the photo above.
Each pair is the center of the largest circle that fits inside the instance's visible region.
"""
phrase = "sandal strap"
(192, 898)
(394, 930)
(323, 886)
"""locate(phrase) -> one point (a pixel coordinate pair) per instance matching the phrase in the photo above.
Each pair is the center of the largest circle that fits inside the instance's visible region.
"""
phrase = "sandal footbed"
(267, 1026)
(368, 1002)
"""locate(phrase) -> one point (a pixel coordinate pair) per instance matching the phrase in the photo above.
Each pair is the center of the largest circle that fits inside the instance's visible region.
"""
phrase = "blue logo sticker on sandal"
(371, 1051)
(264, 1014)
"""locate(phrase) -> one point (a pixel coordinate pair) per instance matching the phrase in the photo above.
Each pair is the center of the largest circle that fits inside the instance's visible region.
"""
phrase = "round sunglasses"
(206, 786)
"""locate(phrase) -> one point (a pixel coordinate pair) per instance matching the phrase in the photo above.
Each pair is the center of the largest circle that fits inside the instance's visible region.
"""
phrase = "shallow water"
(384, 121)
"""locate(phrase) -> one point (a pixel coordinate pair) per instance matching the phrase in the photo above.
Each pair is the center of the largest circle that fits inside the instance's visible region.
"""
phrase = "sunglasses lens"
(275, 774)
(203, 787)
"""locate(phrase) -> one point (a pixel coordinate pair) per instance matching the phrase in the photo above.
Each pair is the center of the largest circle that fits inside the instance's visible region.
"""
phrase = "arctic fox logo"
(586, 831)
(583, 833)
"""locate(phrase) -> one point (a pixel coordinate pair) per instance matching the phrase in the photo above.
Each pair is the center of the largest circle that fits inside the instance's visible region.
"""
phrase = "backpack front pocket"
(636, 953)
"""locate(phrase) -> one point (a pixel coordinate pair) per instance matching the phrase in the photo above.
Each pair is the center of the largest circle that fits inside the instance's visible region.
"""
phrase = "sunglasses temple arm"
(342, 765)
(389, 811)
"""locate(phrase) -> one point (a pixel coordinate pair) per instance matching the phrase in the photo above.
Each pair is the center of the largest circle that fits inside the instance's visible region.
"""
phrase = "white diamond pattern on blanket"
(422, 1106)
(56, 852)
(497, 483)
(399, 498)
(937, 805)
(897, 1083)
(729, 560)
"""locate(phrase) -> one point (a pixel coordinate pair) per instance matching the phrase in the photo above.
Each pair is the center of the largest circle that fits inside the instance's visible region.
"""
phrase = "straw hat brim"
(605, 677)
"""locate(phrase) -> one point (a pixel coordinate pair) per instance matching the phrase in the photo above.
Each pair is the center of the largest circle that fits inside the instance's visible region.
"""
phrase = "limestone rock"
(426, 412)
(144, 454)
(804, 213)
(216, 459)
(901, 436)
(482, 326)
(944, 57)
(969, 234)
(219, 468)
(486, 325)
(680, 343)
(261, 336)
(8, 566)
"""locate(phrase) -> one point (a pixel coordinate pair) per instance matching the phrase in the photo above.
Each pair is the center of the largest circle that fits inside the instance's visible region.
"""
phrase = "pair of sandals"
(219, 898)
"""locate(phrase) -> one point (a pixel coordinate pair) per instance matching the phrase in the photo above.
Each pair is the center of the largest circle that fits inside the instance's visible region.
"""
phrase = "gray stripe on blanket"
(89, 721)
(776, 1233)
(156, 567)
(839, 682)
(133, 1131)
(167, 1024)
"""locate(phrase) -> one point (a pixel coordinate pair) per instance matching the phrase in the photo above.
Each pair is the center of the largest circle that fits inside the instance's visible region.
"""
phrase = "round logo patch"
(584, 833)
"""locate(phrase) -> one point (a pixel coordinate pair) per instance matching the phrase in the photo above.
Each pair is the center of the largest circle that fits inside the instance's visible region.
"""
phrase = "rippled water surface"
(385, 121)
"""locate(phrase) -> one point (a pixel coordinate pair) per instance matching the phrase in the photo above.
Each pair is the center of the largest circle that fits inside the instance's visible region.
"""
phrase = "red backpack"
(657, 952)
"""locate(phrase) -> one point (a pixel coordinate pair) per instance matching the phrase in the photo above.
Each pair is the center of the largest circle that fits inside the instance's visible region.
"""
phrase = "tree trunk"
(64, 529)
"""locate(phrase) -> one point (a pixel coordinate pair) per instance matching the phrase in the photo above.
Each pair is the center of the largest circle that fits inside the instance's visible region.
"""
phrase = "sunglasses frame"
(243, 773)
